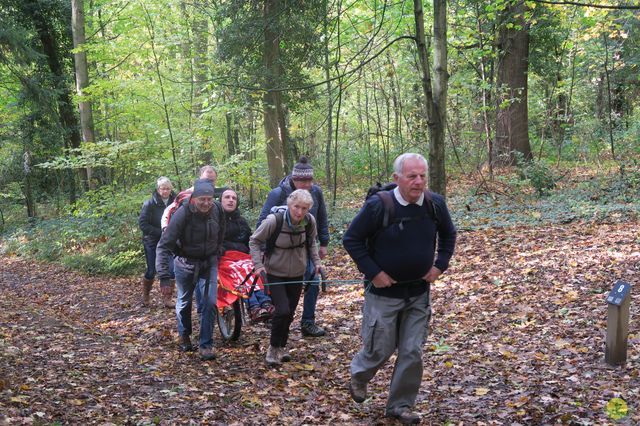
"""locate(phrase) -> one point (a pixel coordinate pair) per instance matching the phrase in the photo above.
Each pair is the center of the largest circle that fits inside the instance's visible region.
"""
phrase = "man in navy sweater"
(399, 263)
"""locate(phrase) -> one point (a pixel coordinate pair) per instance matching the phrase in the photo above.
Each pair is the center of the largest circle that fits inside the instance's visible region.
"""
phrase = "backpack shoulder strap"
(389, 209)
(271, 241)
(282, 196)
(221, 222)
(308, 231)
(432, 210)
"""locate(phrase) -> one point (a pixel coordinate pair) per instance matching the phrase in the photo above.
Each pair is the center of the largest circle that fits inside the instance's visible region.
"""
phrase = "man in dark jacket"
(399, 263)
(302, 178)
(194, 235)
(149, 222)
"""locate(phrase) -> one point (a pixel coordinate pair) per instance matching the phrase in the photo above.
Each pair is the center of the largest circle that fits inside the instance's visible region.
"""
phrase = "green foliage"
(441, 347)
(165, 76)
(108, 245)
(241, 173)
(598, 199)
(617, 408)
(537, 174)
(101, 236)
(620, 187)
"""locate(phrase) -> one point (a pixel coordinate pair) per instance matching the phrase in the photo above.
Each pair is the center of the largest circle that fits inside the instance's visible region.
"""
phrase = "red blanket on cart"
(233, 268)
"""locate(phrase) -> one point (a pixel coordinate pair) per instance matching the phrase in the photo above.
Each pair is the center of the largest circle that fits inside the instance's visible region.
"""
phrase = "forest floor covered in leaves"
(518, 337)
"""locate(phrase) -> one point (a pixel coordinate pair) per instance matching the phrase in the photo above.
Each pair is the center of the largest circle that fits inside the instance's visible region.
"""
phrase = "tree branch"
(596, 6)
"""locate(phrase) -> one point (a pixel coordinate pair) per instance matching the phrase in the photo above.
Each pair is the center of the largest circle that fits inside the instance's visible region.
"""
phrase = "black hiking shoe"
(207, 354)
(405, 416)
(185, 344)
(358, 391)
(311, 330)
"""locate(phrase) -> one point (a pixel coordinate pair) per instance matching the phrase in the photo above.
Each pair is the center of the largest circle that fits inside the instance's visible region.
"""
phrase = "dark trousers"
(150, 257)
(285, 298)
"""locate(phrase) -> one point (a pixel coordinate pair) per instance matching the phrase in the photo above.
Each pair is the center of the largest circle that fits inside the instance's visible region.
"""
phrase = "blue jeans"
(258, 298)
(150, 257)
(312, 289)
(190, 279)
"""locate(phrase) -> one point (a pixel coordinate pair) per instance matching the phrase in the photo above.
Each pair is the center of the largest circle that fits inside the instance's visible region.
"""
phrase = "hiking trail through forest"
(517, 337)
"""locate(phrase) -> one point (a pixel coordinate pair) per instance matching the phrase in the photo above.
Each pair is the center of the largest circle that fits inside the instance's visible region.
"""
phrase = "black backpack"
(184, 203)
(386, 195)
(271, 241)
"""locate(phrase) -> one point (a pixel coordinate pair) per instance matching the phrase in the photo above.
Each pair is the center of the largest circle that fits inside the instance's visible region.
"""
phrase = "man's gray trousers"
(389, 324)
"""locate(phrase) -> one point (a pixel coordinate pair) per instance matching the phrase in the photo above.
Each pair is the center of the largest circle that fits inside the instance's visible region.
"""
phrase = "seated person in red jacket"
(236, 238)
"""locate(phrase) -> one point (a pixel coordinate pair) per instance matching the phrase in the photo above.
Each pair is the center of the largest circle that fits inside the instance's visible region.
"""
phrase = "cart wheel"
(230, 321)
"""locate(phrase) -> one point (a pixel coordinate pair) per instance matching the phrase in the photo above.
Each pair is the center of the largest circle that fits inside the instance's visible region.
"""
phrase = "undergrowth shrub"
(103, 238)
(107, 245)
(538, 174)
(101, 235)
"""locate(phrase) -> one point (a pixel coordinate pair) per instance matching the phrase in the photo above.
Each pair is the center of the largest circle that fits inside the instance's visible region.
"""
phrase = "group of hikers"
(401, 240)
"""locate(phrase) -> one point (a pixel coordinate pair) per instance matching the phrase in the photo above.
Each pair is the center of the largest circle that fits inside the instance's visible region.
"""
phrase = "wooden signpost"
(618, 302)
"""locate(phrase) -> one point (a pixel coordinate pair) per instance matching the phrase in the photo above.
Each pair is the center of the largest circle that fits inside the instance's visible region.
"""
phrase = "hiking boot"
(185, 344)
(268, 306)
(263, 315)
(358, 391)
(309, 329)
(146, 291)
(167, 297)
(254, 313)
(206, 354)
(405, 416)
(284, 355)
(273, 356)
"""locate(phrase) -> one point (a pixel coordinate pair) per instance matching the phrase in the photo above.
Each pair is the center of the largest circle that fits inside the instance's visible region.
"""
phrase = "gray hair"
(398, 163)
(207, 167)
(301, 195)
(163, 180)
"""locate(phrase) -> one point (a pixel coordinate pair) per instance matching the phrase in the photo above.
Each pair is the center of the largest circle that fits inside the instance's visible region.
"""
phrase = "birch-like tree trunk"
(327, 76)
(82, 77)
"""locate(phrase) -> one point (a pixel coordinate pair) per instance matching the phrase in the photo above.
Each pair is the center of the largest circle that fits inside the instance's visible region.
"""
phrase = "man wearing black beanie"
(194, 236)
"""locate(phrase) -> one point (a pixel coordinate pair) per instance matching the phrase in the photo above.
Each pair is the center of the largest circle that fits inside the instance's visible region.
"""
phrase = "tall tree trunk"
(289, 148)
(230, 146)
(334, 189)
(327, 75)
(609, 105)
(272, 100)
(51, 50)
(437, 171)
(26, 168)
(435, 102)
(397, 103)
(236, 134)
(82, 77)
(487, 80)
(368, 129)
(512, 120)
(200, 45)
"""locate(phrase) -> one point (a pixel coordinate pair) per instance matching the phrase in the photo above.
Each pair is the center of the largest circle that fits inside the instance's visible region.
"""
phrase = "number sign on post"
(618, 302)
